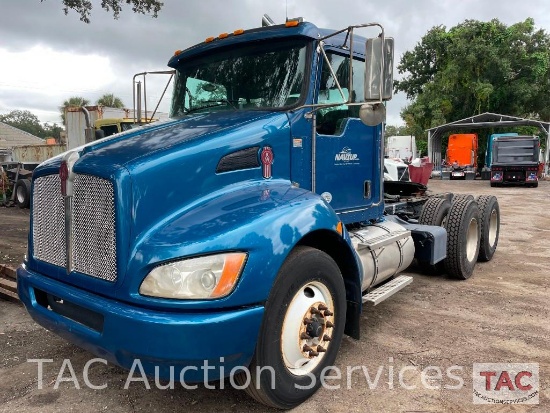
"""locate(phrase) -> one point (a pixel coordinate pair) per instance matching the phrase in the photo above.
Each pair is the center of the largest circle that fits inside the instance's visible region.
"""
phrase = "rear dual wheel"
(463, 238)
(434, 212)
(490, 226)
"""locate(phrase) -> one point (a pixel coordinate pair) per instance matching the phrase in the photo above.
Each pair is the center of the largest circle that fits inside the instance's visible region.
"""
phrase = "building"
(10, 137)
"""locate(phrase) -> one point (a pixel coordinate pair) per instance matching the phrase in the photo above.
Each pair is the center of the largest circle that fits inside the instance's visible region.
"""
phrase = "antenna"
(286, 10)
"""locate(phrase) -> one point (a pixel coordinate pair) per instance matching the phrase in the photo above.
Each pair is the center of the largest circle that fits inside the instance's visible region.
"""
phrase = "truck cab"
(515, 160)
(111, 126)
(248, 230)
(461, 159)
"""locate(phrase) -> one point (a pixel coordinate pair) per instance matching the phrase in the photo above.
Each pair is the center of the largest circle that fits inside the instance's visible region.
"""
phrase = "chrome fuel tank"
(385, 249)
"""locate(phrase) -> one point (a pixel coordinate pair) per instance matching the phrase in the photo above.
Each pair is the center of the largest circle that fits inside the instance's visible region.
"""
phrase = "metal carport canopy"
(484, 120)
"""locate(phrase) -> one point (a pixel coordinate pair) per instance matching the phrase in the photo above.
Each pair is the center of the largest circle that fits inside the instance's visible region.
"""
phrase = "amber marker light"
(232, 268)
(223, 35)
(340, 228)
(209, 39)
(238, 31)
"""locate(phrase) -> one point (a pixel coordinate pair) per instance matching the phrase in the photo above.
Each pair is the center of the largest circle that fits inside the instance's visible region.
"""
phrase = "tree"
(476, 67)
(110, 100)
(24, 120)
(74, 101)
(84, 7)
(53, 131)
(391, 130)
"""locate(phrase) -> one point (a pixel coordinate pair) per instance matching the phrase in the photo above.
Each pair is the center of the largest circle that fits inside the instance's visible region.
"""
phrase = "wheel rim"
(472, 239)
(493, 225)
(307, 328)
(20, 194)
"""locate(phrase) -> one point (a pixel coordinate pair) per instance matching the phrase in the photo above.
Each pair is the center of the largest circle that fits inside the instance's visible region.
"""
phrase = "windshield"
(264, 75)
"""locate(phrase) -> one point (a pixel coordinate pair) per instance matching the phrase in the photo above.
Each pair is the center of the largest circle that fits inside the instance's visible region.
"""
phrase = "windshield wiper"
(218, 102)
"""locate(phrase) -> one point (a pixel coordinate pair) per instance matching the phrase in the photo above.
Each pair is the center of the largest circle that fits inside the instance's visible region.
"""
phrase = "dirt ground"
(499, 315)
(14, 229)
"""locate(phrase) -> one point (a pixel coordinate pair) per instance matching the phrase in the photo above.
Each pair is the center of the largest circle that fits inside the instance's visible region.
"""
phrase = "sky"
(47, 57)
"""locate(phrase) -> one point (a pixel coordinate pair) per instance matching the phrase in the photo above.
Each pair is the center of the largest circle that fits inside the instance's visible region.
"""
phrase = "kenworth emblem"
(66, 175)
(63, 176)
(267, 160)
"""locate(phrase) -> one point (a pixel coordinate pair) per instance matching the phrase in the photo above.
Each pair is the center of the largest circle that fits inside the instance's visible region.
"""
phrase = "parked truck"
(88, 123)
(461, 158)
(250, 231)
(486, 170)
(17, 172)
(515, 160)
(401, 147)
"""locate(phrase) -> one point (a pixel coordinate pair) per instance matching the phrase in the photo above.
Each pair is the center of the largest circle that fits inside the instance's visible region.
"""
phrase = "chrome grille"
(93, 227)
(48, 216)
(93, 242)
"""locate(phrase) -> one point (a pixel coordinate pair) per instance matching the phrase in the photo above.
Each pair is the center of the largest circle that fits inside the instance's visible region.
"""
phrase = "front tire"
(308, 299)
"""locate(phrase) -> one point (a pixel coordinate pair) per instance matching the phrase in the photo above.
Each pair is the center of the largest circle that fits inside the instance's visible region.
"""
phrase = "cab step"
(385, 291)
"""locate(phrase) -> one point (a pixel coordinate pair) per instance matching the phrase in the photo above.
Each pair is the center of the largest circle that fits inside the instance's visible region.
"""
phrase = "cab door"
(348, 153)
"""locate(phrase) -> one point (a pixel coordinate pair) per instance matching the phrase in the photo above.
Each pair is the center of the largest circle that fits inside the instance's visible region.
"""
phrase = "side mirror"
(379, 69)
(372, 114)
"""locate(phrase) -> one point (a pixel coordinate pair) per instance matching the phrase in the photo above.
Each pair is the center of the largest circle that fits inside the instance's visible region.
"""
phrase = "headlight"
(208, 277)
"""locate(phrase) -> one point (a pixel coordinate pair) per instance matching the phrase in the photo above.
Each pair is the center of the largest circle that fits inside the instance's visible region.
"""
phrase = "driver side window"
(331, 121)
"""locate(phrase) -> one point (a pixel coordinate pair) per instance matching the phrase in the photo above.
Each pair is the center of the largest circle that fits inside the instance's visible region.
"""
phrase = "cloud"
(109, 52)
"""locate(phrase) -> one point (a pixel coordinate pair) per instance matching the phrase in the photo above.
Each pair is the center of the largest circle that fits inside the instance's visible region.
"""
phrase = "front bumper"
(161, 340)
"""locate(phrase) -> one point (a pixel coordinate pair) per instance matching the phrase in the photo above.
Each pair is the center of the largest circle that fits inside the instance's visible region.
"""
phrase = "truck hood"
(129, 147)
(164, 170)
(104, 157)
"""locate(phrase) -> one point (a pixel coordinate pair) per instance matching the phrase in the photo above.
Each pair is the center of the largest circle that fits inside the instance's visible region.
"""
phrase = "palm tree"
(74, 101)
(110, 100)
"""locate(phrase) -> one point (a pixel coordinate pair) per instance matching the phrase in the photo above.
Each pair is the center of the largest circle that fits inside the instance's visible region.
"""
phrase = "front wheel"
(301, 332)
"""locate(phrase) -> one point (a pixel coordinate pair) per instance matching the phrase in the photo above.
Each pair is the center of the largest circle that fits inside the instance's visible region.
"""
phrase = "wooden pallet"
(8, 284)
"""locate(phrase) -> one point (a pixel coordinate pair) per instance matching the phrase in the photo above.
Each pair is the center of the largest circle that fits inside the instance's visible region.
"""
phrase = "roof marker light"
(294, 22)
(209, 39)
(238, 31)
(223, 35)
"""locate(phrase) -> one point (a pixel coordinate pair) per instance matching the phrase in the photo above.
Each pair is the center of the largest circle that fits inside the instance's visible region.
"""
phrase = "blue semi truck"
(249, 230)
